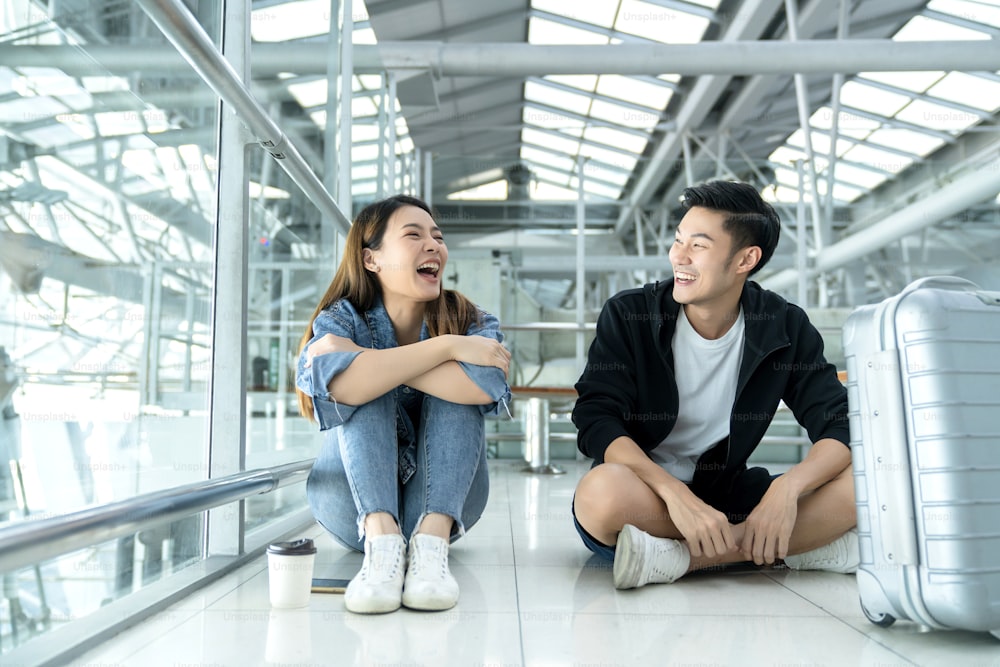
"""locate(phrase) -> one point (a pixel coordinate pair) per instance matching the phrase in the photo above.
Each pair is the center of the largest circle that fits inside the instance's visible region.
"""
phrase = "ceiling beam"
(733, 58)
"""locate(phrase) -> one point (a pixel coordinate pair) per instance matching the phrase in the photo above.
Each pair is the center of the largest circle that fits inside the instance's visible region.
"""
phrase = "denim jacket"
(373, 329)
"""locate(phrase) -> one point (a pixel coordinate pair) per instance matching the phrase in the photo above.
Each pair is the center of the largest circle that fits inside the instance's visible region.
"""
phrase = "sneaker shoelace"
(663, 553)
(423, 555)
(381, 560)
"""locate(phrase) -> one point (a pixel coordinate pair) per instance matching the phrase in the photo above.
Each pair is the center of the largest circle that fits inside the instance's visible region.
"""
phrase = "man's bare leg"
(611, 495)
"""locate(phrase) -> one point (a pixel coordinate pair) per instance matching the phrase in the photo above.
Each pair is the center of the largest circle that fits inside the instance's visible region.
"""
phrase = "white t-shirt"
(707, 372)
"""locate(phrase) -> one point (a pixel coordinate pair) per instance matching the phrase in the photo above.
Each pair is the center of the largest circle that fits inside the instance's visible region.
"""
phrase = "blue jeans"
(404, 453)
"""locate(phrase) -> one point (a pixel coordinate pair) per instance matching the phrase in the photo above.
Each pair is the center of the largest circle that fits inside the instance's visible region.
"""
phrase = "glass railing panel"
(107, 222)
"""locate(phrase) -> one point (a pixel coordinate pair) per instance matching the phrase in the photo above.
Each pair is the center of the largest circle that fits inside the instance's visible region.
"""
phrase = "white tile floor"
(532, 595)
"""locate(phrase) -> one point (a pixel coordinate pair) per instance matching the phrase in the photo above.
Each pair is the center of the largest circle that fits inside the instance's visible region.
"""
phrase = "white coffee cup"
(289, 573)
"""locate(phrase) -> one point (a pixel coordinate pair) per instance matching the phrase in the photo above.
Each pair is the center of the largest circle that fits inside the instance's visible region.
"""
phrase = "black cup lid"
(301, 547)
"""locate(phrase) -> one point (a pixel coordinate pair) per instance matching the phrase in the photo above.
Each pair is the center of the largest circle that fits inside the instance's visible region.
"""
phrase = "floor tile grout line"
(843, 621)
(513, 556)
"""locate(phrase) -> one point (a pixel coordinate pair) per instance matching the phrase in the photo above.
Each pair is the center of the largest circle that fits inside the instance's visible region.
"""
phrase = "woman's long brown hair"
(450, 313)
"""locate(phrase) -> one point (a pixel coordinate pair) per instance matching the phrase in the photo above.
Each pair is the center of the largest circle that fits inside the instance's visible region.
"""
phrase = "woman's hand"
(330, 343)
(480, 351)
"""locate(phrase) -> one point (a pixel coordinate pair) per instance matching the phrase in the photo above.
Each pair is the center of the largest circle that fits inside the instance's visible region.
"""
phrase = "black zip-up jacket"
(628, 386)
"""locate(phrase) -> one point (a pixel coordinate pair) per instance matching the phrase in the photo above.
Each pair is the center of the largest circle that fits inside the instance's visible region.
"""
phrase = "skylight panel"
(906, 140)
(543, 31)
(980, 12)
(364, 153)
(857, 176)
(568, 146)
(545, 158)
(634, 91)
(613, 137)
(363, 132)
(868, 98)
(309, 94)
(785, 155)
(608, 157)
(599, 189)
(658, 23)
(495, 191)
(878, 159)
(820, 143)
(789, 194)
(549, 119)
(844, 193)
(562, 99)
(846, 121)
(553, 176)
(364, 188)
(602, 172)
(363, 171)
(786, 177)
(922, 28)
(624, 116)
(597, 13)
(319, 117)
(937, 117)
(362, 107)
(970, 90)
(918, 82)
(291, 20)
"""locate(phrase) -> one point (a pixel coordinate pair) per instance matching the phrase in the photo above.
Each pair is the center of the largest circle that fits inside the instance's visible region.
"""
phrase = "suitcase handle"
(941, 282)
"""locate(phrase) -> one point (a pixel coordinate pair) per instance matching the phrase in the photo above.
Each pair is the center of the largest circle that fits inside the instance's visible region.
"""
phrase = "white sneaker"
(378, 587)
(429, 584)
(642, 559)
(841, 555)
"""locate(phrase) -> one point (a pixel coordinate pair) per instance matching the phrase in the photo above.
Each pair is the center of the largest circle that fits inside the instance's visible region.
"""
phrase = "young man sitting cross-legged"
(682, 380)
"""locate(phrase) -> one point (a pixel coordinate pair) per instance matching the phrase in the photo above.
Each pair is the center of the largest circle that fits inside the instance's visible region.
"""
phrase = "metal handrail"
(32, 541)
(186, 34)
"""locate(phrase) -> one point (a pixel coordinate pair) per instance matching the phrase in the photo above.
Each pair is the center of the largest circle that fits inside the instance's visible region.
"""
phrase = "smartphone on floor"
(329, 585)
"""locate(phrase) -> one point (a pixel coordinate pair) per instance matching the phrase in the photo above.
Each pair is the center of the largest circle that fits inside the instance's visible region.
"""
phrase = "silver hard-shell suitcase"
(923, 387)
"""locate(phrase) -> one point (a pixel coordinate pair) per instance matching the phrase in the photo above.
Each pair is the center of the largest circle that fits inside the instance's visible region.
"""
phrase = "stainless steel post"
(536, 437)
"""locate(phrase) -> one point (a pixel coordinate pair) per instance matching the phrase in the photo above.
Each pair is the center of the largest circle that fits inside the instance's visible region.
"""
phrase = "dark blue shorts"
(748, 488)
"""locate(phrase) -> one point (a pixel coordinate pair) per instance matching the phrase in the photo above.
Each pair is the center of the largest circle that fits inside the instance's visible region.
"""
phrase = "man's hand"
(769, 526)
(706, 529)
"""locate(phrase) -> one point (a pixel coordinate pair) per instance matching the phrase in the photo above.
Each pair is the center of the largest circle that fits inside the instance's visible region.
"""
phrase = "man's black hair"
(749, 220)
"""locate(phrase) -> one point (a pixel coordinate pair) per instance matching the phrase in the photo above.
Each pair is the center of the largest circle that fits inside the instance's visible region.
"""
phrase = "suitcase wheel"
(881, 620)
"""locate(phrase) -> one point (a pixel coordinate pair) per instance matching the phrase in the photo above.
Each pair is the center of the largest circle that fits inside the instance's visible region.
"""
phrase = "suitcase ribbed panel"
(946, 366)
